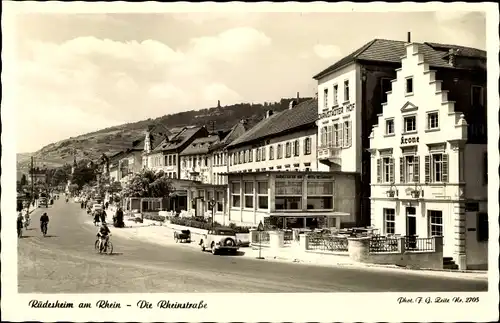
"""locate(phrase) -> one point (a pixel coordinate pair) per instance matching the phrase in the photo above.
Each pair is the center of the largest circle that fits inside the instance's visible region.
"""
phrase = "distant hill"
(114, 139)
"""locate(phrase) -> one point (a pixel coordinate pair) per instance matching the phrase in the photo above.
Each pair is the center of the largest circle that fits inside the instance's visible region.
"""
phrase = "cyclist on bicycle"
(44, 222)
(103, 233)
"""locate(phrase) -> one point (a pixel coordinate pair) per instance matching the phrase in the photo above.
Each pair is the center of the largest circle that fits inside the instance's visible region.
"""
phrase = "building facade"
(196, 163)
(293, 199)
(285, 141)
(428, 178)
(351, 93)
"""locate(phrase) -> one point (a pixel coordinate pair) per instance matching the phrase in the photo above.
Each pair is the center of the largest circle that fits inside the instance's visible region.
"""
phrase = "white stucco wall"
(343, 110)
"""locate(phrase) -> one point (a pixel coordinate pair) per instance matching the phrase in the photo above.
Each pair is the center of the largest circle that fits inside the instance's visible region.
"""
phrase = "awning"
(178, 193)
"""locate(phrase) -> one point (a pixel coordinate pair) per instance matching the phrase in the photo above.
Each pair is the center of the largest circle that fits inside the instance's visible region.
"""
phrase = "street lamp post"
(260, 228)
(211, 205)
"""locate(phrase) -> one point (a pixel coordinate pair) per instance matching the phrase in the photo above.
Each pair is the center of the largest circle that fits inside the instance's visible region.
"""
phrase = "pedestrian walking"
(103, 216)
(96, 218)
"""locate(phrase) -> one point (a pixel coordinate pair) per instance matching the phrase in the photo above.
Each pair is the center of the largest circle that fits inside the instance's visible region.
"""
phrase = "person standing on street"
(19, 224)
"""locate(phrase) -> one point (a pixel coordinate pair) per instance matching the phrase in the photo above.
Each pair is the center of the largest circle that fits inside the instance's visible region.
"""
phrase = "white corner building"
(426, 179)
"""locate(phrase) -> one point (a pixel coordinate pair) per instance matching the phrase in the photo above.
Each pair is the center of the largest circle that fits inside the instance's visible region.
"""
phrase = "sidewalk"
(158, 233)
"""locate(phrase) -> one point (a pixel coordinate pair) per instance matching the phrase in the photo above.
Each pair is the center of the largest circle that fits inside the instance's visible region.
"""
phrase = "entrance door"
(411, 227)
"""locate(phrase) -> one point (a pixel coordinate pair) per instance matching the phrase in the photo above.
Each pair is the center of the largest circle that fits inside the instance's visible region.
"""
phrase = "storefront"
(292, 199)
(205, 200)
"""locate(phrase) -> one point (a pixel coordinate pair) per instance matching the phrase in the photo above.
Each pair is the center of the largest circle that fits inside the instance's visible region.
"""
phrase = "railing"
(261, 237)
(327, 243)
(288, 237)
(384, 244)
(419, 244)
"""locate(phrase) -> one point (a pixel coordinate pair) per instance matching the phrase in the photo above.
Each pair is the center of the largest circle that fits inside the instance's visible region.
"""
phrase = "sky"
(78, 73)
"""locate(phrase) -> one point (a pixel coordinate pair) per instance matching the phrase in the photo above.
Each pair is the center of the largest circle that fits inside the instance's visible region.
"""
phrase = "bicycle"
(103, 247)
(44, 229)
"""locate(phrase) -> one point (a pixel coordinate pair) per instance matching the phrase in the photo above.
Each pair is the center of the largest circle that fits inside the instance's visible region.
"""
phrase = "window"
(390, 221)
(258, 153)
(174, 159)
(250, 155)
(337, 135)
(432, 120)
(307, 146)
(288, 149)
(236, 194)
(320, 195)
(174, 175)
(347, 134)
(242, 159)
(410, 124)
(385, 86)
(194, 162)
(477, 96)
(263, 152)
(335, 95)
(271, 153)
(296, 148)
(346, 90)
(219, 198)
(389, 126)
(280, 151)
(288, 195)
(385, 170)
(409, 85)
(409, 169)
(325, 99)
(184, 162)
(263, 200)
(482, 227)
(436, 168)
(206, 162)
(485, 168)
(435, 223)
(248, 195)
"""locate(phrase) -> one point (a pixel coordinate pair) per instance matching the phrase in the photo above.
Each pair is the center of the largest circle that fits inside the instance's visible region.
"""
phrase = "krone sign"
(409, 140)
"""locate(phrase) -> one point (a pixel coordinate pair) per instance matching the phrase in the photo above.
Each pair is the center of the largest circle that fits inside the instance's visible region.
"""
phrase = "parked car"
(219, 239)
(43, 202)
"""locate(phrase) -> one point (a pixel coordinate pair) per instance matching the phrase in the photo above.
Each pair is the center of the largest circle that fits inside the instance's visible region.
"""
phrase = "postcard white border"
(242, 307)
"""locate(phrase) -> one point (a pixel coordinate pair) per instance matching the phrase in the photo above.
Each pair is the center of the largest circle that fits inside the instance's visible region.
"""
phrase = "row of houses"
(395, 139)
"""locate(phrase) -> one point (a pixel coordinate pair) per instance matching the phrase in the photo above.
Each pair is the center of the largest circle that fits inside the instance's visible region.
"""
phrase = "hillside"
(115, 139)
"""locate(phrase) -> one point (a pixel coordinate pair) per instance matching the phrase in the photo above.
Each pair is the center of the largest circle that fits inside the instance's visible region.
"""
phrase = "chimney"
(292, 104)
(218, 103)
(409, 38)
(269, 113)
(298, 96)
(451, 57)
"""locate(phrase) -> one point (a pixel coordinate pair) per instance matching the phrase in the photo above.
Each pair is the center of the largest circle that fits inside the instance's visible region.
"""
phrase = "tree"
(73, 188)
(148, 184)
(84, 174)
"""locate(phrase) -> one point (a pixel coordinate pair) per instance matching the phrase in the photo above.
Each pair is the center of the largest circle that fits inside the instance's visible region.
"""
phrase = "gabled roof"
(236, 131)
(200, 145)
(391, 51)
(303, 114)
(178, 140)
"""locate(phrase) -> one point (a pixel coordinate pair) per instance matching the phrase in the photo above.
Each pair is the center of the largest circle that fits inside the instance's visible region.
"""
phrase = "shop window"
(390, 221)
(320, 195)
(262, 193)
(288, 195)
(435, 223)
(219, 198)
(248, 192)
(482, 227)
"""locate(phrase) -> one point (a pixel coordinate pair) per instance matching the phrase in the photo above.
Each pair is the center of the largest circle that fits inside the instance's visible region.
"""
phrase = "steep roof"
(459, 50)
(303, 114)
(177, 140)
(236, 131)
(200, 145)
(391, 51)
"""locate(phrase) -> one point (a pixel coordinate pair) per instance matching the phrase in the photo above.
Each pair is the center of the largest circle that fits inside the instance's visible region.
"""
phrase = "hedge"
(155, 217)
(191, 222)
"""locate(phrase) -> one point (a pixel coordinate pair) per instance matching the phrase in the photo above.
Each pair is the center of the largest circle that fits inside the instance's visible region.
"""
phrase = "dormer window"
(409, 85)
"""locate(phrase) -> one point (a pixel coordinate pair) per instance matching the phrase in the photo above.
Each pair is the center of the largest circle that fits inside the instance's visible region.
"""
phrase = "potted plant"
(391, 193)
(415, 193)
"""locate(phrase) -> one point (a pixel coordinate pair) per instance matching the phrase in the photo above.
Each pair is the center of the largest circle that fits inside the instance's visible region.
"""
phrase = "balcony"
(330, 154)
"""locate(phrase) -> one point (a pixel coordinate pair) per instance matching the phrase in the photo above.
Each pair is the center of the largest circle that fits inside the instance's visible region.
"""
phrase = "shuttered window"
(436, 168)
(347, 134)
(387, 170)
(379, 170)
